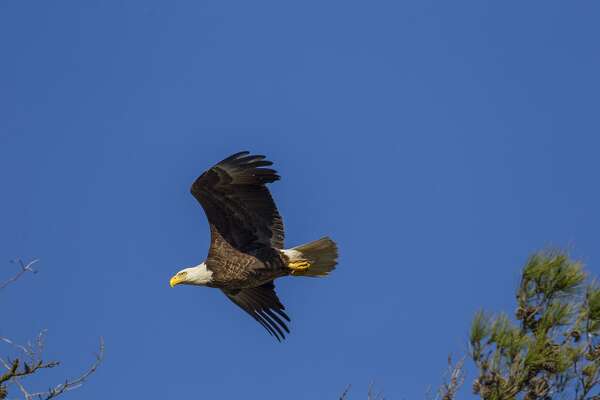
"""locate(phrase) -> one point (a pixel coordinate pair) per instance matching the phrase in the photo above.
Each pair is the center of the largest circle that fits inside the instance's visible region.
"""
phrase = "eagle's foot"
(298, 267)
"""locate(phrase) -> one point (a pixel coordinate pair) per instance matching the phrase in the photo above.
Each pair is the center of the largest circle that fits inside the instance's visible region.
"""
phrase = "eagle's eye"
(182, 274)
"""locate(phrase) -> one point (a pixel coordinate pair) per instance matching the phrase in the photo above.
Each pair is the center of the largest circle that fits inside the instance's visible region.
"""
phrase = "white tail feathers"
(313, 259)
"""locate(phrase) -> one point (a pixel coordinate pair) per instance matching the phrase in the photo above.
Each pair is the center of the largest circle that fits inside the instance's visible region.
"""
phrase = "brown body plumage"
(234, 269)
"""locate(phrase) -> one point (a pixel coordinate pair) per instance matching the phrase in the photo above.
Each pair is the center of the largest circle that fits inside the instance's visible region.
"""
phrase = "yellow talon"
(298, 267)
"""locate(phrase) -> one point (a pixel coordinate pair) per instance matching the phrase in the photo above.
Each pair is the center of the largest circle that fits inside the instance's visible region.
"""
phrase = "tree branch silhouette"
(30, 360)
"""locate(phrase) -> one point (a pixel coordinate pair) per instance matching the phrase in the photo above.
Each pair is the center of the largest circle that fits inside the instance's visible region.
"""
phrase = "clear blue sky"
(438, 142)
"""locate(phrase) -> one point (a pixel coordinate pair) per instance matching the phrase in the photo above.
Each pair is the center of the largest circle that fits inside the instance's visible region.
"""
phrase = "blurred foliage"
(551, 348)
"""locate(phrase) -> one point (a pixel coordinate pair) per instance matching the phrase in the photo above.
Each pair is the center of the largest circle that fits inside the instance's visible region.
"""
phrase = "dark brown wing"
(262, 304)
(238, 204)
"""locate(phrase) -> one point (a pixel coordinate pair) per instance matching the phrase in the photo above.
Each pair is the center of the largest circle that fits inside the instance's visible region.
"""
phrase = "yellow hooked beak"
(176, 280)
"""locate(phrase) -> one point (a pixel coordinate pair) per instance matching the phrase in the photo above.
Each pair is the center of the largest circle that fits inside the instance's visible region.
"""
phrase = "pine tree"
(551, 348)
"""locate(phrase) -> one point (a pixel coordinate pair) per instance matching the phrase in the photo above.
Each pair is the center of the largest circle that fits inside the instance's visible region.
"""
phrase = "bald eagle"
(246, 252)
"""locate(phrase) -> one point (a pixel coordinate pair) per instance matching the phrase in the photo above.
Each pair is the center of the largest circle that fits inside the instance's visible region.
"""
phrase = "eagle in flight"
(246, 252)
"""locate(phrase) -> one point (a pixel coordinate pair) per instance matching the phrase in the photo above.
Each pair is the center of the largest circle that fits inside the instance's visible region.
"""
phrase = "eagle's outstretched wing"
(238, 204)
(262, 304)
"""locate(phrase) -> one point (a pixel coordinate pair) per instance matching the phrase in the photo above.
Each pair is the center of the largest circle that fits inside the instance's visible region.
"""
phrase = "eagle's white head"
(198, 275)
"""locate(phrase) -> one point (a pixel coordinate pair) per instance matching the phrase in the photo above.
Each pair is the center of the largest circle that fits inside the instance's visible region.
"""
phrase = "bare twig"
(372, 396)
(18, 383)
(454, 379)
(16, 370)
(21, 348)
(30, 359)
(77, 382)
(31, 351)
(24, 268)
(344, 394)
